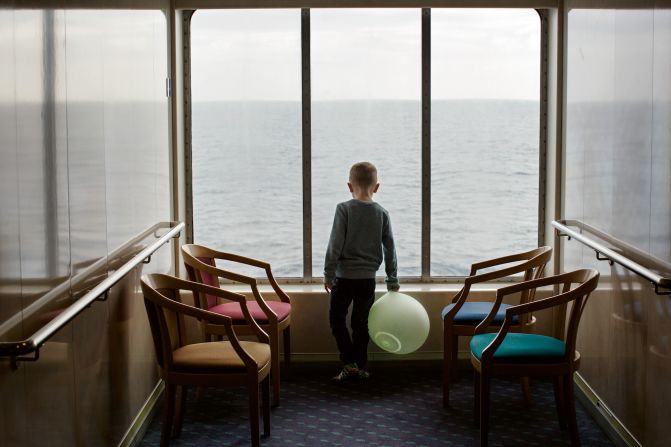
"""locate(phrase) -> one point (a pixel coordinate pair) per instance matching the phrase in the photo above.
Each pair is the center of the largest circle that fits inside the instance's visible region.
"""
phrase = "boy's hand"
(327, 287)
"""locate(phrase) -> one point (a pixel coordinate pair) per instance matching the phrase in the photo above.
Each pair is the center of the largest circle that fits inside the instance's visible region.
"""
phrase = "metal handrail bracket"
(604, 253)
(17, 350)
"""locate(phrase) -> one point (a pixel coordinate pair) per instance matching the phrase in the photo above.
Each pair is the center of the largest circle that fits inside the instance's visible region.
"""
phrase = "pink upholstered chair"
(274, 316)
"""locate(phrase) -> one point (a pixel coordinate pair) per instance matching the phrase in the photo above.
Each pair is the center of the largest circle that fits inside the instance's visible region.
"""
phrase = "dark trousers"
(362, 293)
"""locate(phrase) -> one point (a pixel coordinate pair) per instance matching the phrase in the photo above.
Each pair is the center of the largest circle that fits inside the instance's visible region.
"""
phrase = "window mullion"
(426, 143)
(306, 103)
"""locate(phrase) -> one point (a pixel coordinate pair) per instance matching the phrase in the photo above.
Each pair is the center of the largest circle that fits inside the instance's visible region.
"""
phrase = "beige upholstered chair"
(227, 363)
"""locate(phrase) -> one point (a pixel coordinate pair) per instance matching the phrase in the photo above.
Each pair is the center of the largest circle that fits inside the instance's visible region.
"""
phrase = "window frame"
(306, 131)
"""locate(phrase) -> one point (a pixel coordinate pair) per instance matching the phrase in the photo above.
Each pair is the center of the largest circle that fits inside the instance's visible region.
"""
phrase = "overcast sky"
(365, 54)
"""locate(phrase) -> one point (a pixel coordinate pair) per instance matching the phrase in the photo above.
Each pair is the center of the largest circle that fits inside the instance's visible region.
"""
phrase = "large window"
(363, 97)
(246, 84)
(485, 67)
(360, 112)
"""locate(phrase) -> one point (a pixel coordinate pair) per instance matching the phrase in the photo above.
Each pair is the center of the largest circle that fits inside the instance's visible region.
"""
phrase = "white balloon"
(398, 323)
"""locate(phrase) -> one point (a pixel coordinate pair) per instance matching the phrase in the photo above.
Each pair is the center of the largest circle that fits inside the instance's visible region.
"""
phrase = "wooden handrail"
(616, 254)
(16, 350)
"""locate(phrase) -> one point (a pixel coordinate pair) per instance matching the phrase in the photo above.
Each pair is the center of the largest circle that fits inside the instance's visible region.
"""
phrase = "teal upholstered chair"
(461, 316)
(523, 354)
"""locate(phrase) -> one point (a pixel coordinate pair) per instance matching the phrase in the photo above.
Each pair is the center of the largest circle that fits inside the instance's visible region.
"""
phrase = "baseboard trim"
(139, 426)
(603, 416)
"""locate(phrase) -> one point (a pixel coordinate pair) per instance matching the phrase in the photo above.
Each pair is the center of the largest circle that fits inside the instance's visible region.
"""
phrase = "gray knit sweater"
(361, 236)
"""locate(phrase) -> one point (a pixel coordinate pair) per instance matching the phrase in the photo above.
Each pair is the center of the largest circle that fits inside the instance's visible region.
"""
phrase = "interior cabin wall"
(84, 167)
(617, 177)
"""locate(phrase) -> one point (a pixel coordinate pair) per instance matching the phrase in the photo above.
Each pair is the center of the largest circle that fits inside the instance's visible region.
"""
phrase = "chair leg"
(168, 414)
(200, 392)
(179, 412)
(448, 345)
(254, 411)
(484, 409)
(557, 383)
(476, 398)
(569, 402)
(275, 364)
(455, 358)
(286, 337)
(265, 405)
(526, 390)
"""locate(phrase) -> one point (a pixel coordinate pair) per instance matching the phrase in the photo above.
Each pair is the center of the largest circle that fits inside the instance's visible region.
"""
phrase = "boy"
(361, 236)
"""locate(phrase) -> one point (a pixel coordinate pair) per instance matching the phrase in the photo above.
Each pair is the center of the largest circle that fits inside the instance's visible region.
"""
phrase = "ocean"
(247, 179)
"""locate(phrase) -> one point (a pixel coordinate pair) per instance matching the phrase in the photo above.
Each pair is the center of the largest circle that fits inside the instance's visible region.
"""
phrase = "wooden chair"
(461, 316)
(522, 354)
(273, 316)
(231, 362)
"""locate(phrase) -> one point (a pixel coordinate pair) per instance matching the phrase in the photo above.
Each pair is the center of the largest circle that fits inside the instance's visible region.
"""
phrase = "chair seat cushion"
(233, 310)
(519, 347)
(473, 312)
(218, 356)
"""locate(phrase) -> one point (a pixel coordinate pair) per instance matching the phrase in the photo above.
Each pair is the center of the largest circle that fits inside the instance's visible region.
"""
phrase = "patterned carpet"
(396, 407)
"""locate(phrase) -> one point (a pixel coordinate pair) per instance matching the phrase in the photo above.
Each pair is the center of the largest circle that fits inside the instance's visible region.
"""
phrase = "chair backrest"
(585, 282)
(167, 325)
(537, 259)
(193, 255)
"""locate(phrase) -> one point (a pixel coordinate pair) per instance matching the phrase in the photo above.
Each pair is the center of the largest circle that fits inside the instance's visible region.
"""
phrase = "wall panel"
(85, 52)
(10, 266)
(73, 83)
(617, 180)
(658, 352)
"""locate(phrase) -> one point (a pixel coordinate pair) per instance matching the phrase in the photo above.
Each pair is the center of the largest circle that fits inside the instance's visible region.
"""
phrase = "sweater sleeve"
(389, 249)
(336, 242)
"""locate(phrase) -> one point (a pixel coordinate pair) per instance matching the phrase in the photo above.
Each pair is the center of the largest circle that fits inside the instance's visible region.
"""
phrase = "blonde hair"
(363, 174)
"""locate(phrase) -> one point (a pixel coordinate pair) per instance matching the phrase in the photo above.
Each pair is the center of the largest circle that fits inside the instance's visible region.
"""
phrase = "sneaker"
(363, 374)
(348, 371)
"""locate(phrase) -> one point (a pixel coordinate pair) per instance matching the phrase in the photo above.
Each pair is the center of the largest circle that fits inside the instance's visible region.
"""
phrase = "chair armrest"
(519, 309)
(489, 351)
(534, 284)
(213, 270)
(281, 294)
(498, 261)
(491, 348)
(222, 293)
(544, 303)
(249, 280)
(480, 328)
(496, 274)
(460, 298)
(272, 317)
(233, 257)
(198, 313)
